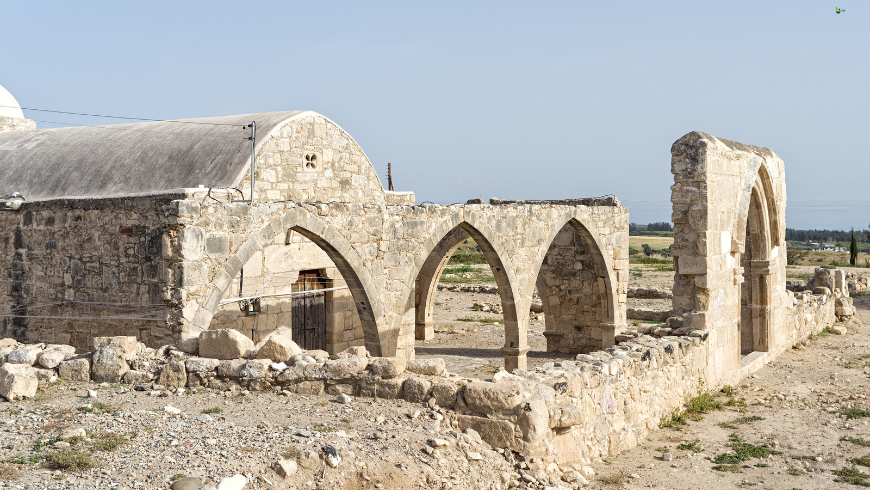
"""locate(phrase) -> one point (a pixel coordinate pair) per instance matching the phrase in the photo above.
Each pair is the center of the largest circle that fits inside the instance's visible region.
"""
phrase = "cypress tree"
(853, 250)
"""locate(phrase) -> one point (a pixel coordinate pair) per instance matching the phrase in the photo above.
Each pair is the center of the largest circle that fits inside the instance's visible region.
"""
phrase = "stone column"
(515, 358)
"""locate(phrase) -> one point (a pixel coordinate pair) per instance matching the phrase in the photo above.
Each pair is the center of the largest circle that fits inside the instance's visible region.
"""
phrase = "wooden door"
(309, 311)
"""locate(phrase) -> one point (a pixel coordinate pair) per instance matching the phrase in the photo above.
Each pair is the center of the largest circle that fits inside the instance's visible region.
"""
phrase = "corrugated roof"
(124, 159)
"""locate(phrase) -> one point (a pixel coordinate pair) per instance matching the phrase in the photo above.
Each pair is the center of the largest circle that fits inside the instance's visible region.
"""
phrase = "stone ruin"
(153, 266)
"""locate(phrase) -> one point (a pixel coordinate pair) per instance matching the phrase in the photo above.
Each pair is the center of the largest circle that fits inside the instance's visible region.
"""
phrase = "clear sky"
(515, 100)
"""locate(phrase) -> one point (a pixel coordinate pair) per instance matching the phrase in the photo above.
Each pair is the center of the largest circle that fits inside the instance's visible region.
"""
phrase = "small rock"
(667, 456)
(171, 410)
(331, 455)
(473, 456)
(235, 482)
(205, 418)
(74, 433)
(285, 468)
(189, 483)
(92, 394)
(344, 398)
(838, 330)
(437, 442)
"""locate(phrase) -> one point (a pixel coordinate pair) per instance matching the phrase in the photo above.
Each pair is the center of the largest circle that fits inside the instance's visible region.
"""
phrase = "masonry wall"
(311, 159)
(570, 295)
(99, 261)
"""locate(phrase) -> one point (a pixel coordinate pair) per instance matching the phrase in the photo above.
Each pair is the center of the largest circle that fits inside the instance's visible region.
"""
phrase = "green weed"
(69, 459)
(856, 440)
(852, 475)
(742, 451)
(213, 410)
(694, 446)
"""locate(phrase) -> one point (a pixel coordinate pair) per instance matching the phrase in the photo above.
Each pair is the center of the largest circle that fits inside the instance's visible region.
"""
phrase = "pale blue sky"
(486, 99)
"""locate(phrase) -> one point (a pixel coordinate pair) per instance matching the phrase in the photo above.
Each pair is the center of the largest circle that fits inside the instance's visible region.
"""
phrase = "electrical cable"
(120, 117)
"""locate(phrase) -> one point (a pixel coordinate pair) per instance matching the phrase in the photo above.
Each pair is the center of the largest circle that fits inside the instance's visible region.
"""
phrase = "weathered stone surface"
(128, 347)
(416, 389)
(445, 394)
(256, 369)
(231, 368)
(17, 381)
(75, 370)
(388, 367)
(133, 377)
(285, 468)
(235, 482)
(108, 365)
(278, 348)
(496, 433)
(51, 359)
(187, 483)
(173, 375)
(24, 355)
(201, 365)
(429, 367)
(224, 344)
(343, 368)
(485, 398)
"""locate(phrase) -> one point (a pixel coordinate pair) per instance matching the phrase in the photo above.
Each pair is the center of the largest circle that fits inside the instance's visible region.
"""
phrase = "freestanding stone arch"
(729, 242)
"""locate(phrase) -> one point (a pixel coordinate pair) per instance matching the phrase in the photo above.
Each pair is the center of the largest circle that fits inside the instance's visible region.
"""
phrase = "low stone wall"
(647, 315)
(649, 293)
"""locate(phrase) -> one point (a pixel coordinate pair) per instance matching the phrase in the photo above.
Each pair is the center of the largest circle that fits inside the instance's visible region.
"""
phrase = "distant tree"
(853, 250)
(647, 250)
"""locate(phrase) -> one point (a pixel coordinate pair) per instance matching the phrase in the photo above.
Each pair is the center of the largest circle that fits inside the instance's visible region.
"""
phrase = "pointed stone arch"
(339, 250)
(612, 311)
(756, 179)
(432, 257)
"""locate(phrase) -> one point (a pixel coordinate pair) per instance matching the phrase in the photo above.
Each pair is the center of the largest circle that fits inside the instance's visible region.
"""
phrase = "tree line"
(657, 226)
(825, 235)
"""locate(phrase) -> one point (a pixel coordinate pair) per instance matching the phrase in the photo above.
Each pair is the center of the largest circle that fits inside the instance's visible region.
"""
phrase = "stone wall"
(310, 159)
(15, 124)
(97, 262)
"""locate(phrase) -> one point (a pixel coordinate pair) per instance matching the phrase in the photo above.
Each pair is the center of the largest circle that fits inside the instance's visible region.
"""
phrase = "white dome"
(8, 105)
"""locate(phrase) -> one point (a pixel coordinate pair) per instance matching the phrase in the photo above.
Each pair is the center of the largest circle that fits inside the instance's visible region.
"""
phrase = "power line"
(121, 117)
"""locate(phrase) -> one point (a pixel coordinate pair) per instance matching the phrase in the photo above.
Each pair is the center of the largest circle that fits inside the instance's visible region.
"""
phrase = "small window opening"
(311, 161)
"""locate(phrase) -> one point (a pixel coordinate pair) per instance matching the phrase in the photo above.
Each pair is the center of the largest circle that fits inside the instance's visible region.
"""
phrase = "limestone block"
(285, 468)
(18, 381)
(416, 389)
(75, 370)
(565, 415)
(231, 368)
(24, 355)
(127, 346)
(533, 419)
(313, 388)
(487, 398)
(278, 348)
(8, 343)
(108, 365)
(225, 344)
(388, 367)
(51, 359)
(256, 369)
(133, 377)
(390, 388)
(340, 389)
(173, 375)
(342, 368)
(68, 350)
(496, 433)
(317, 354)
(201, 365)
(692, 265)
(429, 367)
(189, 342)
(445, 394)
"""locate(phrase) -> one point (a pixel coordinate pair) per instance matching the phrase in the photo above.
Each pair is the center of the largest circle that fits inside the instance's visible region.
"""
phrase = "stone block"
(127, 346)
(417, 389)
(285, 468)
(18, 381)
(388, 367)
(201, 365)
(225, 344)
(173, 375)
(278, 348)
(51, 359)
(496, 433)
(134, 377)
(390, 389)
(23, 355)
(75, 370)
(343, 368)
(256, 369)
(108, 365)
(429, 367)
(231, 368)
(445, 394)
(489, 398)
(692, 265)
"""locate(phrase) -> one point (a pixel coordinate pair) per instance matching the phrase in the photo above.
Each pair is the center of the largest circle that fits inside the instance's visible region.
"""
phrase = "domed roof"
(8, 105)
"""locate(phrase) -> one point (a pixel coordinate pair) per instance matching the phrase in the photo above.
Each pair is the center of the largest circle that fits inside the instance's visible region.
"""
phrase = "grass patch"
(460, 270)
(863, 460)
(742, 451)
(733, 468)
(98, 407)
(467, 258)
(861, 293)
(650, 261)
(479, 319)
(694, 446)
(40, 444)
(69, 459)
(615, 479)
(108, 441)
(21, 459)
(212, 410)
(856, 440)
(292, 452)
(678, 419)
(854, 413)
(852, 475)
(176, 476)
(795, 471)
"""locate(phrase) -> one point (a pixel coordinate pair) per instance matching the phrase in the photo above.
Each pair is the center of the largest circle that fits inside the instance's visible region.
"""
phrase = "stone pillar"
(515, 358)
(608, 333)
(424, 330)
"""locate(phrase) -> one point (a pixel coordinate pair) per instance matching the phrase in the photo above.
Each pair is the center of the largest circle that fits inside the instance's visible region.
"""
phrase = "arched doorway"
(756, 291)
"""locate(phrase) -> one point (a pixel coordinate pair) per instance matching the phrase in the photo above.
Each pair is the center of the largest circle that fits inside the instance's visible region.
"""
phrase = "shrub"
(69, 459)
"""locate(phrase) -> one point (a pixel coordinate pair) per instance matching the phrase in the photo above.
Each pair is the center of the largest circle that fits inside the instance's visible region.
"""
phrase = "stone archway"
(612, 311)
(437, 251)
(339, 250)
(755, 260)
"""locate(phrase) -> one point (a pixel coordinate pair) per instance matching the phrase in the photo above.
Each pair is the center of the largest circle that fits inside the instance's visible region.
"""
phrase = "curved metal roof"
(125, 159)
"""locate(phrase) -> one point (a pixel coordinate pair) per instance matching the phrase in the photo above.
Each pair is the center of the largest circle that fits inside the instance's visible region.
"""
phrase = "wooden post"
(390, 177)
